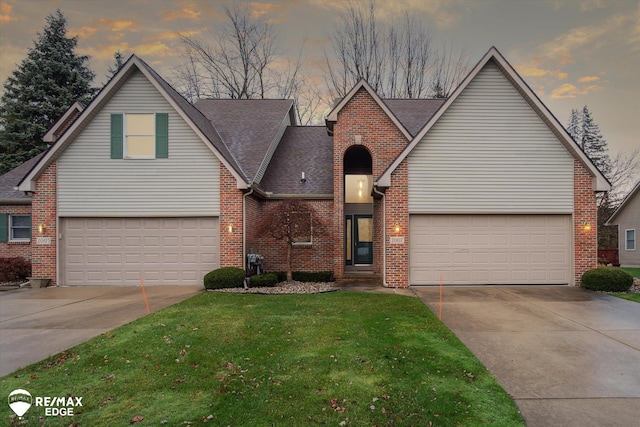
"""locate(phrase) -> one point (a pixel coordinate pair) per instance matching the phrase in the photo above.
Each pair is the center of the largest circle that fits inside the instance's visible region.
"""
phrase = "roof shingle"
(305, 149)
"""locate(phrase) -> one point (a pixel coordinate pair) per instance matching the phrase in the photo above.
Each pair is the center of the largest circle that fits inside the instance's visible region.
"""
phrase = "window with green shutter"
(117, 148)
(140, 136)
(4, 227)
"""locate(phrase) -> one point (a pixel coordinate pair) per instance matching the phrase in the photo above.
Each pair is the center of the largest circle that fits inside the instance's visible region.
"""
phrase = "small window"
(301, 224)
(140, 136)
(20, 228)
(630, 240)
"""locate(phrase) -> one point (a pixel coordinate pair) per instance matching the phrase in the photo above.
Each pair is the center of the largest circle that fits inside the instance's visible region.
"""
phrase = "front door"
(358, 240)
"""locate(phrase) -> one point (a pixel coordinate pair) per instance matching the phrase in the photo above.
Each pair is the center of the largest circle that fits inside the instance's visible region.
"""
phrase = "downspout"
(384, 237)
(244, 228)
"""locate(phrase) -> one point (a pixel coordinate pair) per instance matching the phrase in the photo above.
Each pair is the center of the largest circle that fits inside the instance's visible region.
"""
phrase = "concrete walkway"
(568, 357)
(37, 323)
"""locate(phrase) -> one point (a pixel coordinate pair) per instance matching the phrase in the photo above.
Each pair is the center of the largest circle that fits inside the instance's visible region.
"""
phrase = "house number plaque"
(43, 240)
(396, 240)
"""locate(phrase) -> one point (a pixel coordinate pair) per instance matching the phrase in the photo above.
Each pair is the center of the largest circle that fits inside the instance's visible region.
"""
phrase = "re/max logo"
(58, 401)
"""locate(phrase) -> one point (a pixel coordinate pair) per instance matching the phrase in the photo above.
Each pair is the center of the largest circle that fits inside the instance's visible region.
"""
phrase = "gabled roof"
(332, 117)
(633, 193)
(414, 113)
(10, 180)
(64, 122)
(305, 149)
(600, 182)
(250, 128)
(194, 118)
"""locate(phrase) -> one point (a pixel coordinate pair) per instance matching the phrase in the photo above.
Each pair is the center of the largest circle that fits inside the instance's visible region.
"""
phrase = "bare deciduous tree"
(291, 221)
(397, 62)
(244, 62)
(623, 174)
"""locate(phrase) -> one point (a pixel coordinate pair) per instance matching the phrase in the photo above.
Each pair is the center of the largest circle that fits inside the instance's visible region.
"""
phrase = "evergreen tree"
(575, 127)
(586, 133)
(593, 143)
(118, 62)
(47, 82)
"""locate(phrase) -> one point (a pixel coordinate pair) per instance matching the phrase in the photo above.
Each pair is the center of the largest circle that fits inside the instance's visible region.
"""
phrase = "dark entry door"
(358, 239)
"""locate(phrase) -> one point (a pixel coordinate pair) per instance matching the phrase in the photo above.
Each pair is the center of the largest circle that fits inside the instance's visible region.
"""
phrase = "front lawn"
(227, 359)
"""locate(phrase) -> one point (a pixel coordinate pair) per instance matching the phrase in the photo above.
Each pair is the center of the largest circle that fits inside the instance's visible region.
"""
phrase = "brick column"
(230, 214)
(44, 211)
(584, 212)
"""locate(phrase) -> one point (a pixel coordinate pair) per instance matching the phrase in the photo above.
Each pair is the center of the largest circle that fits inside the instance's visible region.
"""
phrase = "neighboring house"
(627, 218)
(15, 206)
(15, 213)
(485, 187)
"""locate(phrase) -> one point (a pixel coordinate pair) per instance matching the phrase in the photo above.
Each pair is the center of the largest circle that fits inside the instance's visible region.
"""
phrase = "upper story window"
(140, 136)
(19, 228)
(630, 240)
(357, 188)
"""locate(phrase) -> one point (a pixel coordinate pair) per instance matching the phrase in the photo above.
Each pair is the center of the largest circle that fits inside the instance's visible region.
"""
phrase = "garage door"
(116, 251)
(490, 249)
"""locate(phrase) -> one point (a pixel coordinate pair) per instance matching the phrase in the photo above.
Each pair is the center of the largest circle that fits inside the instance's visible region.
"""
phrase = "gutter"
(384, 236)
(244, 228)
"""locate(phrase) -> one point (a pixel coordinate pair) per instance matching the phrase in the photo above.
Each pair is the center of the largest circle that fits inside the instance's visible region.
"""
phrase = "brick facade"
(44, 211)
(230, 215)
(584, 212)
(315, 257)
(15, 249)
(363, 117)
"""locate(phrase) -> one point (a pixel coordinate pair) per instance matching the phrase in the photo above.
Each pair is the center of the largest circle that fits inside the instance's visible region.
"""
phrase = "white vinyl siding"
(490, 153)
(91, 183)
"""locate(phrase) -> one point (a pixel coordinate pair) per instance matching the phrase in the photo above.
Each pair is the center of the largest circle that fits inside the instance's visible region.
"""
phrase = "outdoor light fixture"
(396, 228)
(230, 228)
(586, 225)
(303, 179)
(41, 228)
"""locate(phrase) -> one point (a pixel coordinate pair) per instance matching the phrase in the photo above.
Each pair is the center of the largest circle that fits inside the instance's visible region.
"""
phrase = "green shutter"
(4, 227)
(116, 136)
(162, 135)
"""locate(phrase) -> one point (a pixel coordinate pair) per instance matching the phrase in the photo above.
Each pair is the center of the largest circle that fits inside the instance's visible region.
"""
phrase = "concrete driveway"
(568, 357)
(37, 323)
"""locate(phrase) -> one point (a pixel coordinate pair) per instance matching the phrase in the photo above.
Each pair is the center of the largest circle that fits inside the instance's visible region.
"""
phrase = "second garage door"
(117, 251)
(490, 249)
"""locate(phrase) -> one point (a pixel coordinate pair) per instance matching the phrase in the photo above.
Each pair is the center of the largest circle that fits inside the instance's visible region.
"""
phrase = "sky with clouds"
(571, 52)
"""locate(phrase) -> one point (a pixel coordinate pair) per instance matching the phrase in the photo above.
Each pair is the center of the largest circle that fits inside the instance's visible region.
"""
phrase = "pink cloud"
(5, 13)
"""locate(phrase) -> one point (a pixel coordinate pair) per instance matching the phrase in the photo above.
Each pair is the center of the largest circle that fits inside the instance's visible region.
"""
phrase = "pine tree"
(575, 127)
(593, 143)
(118, 62)
(47, 82)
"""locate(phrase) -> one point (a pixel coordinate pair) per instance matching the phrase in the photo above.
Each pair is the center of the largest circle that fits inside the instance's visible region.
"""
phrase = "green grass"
(362, 359)
(635, 272)
(628, 296)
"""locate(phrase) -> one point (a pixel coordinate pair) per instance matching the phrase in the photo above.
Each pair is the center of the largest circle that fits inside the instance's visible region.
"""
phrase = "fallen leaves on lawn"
(335, 405)
(136, 419)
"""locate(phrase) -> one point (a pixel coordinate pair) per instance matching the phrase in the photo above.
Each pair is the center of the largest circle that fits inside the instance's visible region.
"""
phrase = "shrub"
(607, 279)
(306, 276)
(225, 277)
(14, 269)
(264, 279)
(319, 276)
